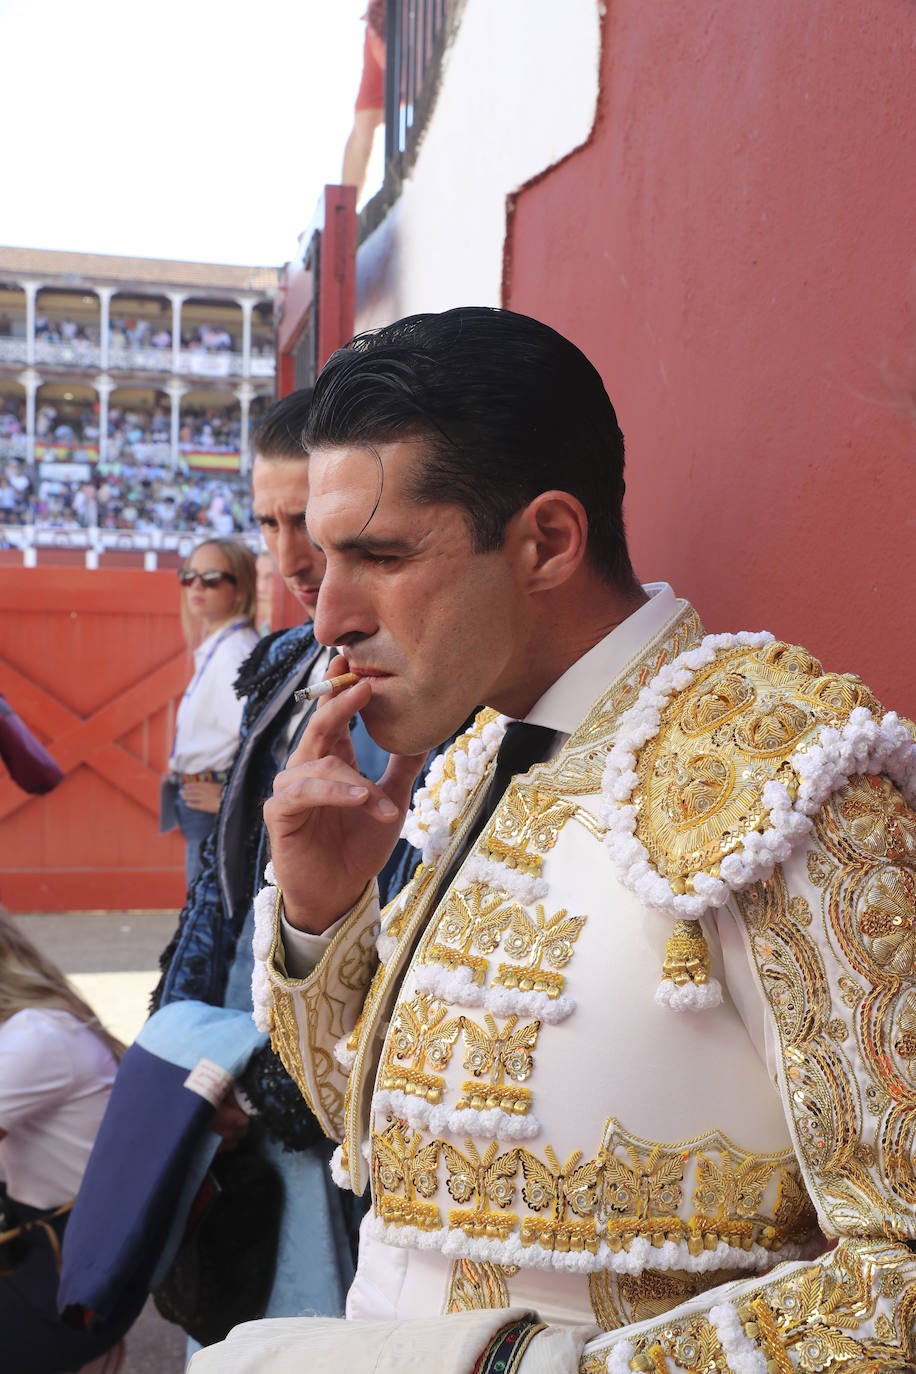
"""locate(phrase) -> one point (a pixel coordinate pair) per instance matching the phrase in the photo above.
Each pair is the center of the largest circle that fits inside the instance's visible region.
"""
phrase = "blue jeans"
(195, 826)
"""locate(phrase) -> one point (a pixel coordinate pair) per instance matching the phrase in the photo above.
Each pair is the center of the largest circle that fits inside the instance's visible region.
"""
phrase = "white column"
(104, 294)
(177, 298)
(31, 381)
(247, 304)
(245, 393)
(104, 386)
(31, 289)
(176, 391)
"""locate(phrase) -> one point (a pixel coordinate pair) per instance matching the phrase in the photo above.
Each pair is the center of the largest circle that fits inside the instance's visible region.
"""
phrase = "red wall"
(735, 250)
(94, 663)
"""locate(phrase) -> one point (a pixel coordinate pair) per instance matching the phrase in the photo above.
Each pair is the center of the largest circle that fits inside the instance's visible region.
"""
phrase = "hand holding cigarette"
(331, 829)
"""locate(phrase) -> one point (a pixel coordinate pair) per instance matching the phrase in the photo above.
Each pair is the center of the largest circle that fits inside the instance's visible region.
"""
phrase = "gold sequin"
(822, 1317)
(854, 1056)
(701, 779)
(421, 1030)
(475, 1286)
(621, 1299)
(526, 827)
(404, 1176)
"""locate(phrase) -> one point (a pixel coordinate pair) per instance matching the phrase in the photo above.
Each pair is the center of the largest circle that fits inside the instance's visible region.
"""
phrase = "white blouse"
(208, 720)
(55, 1080)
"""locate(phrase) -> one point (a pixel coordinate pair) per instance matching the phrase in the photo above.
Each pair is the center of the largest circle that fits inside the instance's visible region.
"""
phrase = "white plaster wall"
(518, 92)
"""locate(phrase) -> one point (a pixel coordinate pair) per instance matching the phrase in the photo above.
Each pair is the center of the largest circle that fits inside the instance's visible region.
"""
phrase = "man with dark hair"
(639, 1028)
(209, 959)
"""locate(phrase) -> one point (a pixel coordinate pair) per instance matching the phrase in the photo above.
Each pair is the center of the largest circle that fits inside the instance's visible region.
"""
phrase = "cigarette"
(329, 688)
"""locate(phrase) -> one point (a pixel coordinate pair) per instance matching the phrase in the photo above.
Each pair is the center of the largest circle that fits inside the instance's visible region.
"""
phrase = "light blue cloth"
(186, 1032)
(314, 1269)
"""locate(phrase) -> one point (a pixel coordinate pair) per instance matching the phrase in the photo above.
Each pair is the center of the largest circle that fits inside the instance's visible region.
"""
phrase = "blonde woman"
(57, 1065)
(218, 602)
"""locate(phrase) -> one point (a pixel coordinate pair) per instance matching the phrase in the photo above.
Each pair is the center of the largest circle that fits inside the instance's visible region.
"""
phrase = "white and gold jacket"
(659, 1034)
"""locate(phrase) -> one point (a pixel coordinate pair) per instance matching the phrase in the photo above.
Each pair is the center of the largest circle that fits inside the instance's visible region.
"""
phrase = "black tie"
(522, 746)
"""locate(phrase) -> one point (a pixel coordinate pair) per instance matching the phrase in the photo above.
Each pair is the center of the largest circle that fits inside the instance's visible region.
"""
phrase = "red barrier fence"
(95, 663)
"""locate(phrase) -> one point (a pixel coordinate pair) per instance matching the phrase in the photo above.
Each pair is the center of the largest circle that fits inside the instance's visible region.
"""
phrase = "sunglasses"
(211, 578)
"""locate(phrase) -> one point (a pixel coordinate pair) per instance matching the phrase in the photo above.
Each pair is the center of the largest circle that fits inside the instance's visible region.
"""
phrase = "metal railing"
(135, 358)
(415, 34)
(13, 350)
(105, 541)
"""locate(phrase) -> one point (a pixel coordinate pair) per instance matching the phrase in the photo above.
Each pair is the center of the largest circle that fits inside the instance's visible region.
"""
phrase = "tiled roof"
(97, 269)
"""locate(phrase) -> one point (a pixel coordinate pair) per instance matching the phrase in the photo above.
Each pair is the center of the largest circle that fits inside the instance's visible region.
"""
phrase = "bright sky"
(195, 129)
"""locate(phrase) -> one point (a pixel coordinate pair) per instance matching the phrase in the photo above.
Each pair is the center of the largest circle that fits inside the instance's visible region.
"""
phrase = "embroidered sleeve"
(308, 1017)
(849, 1312)
(832, 936)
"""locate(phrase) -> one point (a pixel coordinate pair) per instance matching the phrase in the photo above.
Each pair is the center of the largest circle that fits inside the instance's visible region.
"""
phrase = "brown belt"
(208, 775)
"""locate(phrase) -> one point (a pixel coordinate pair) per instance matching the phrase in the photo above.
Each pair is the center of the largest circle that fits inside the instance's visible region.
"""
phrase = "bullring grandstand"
(128, 389)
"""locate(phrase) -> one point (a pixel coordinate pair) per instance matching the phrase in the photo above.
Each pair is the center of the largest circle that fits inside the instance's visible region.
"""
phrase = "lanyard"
(223, 634)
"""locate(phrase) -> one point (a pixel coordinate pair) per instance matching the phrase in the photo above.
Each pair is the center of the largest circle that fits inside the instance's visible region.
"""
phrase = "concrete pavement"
(112, 957)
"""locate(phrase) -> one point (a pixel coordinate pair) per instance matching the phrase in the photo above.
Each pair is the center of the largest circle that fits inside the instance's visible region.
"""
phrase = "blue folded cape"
(150, 1156)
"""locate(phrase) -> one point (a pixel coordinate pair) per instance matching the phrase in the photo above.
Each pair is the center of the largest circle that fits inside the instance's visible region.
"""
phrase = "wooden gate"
(94, 662)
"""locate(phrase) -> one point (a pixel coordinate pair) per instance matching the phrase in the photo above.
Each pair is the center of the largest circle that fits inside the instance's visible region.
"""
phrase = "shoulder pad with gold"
(725, 757)
(734, 729)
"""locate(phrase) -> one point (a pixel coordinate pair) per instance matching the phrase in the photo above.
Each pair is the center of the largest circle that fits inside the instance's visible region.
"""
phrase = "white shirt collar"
(567, 702)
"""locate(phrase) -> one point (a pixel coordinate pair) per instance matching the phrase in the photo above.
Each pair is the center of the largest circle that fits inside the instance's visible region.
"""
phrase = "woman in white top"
(219, 595)
(57, 1065)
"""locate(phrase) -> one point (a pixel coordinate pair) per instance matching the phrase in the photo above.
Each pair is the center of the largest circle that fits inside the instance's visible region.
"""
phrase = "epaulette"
(725, 757)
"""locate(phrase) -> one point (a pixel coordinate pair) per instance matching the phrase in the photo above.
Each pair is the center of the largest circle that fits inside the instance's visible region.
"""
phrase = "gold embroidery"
(686, 954)
(375, 986)
(621, 1299)
(404, 1175)
(539, 940)
(578, 769)
(812, 1314)
(525, 827)
(645, 1188)
(498, 1054)
(877, 820)
(484, 717)
(693, 1345)
(717, 702)
(856, 1056)
(284, 1036)
(888, 922)
(577, 1205)
(905, 1041)
(326, 1001)
(816, 1319)
(818, 867)
(701, 779)
(476, 1285)
(643, 1192)
(419, 1032)
(490, 1178)
(571, 1187)
(475, 916)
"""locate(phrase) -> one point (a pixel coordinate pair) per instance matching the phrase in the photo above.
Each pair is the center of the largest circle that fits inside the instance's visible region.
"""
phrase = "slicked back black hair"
(278, 434)
(506, 407)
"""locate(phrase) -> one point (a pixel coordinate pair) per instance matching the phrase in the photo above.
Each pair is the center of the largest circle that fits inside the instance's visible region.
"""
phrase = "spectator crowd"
(135, 488)
(140, 497)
